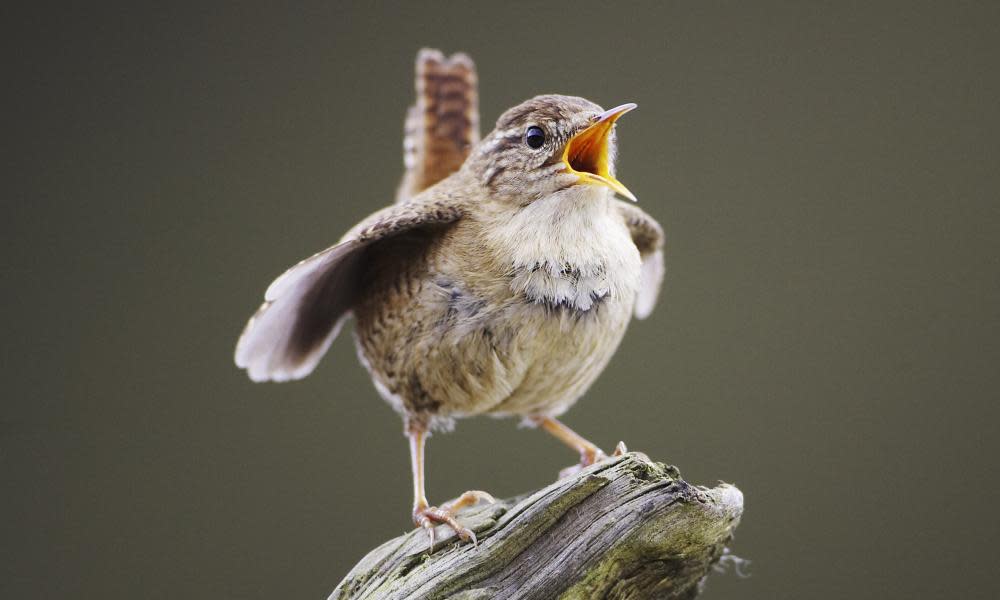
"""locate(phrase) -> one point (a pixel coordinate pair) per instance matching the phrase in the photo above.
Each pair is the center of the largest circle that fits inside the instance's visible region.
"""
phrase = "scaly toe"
(469, 498)
(597, 457)
(429, 517)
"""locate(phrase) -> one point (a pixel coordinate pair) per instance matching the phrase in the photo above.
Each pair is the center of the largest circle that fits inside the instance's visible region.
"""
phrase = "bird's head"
(547, 145)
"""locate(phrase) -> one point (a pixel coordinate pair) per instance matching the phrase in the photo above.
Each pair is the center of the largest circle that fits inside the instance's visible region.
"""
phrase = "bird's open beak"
(586, 153)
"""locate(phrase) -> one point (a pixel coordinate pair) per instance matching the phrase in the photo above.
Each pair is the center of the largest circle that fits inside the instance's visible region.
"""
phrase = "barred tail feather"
(443, 124)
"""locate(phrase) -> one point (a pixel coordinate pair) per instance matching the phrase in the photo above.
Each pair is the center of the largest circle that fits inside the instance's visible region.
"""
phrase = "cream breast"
(569, 249)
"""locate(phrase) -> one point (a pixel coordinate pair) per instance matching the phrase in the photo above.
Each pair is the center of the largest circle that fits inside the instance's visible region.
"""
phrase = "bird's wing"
(648, 237)
(443, 124)
(305, 307)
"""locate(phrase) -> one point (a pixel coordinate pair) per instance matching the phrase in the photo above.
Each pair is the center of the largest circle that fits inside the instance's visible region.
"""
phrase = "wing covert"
(648, 237)
(306, 306)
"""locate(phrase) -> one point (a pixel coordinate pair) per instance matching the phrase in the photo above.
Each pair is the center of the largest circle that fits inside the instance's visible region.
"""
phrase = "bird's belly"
(562, 351)
(513, 358)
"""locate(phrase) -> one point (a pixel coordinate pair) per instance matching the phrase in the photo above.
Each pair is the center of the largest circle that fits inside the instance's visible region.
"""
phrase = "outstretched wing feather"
(306, 306)
(648, 237)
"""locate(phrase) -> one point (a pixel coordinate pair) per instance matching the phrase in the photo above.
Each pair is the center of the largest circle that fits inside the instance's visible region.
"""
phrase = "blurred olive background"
(827, 338)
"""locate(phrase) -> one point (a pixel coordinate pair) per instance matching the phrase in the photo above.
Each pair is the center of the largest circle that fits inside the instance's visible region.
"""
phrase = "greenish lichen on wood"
(624, 528)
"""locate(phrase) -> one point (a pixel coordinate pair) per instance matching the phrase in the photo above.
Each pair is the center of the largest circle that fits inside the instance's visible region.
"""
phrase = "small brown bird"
(501, 282)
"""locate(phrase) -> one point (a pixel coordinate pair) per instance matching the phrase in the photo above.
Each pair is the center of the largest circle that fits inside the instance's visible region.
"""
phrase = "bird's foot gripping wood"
(425, 515)
(592, 458)
(590, 454)
(429, 517)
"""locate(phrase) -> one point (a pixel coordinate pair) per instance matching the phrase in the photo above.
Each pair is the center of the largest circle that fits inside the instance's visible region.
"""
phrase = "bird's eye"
(534, 137)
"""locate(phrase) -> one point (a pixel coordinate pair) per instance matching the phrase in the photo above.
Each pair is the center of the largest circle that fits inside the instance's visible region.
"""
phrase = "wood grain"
(625, 528)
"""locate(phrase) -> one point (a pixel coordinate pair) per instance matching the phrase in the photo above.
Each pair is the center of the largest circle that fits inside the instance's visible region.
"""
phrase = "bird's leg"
(589, 453)
(427, 516)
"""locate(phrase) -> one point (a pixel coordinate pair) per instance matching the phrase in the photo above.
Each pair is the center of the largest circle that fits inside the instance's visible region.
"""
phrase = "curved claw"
(592, 458)
(429, 526)
(429, 516)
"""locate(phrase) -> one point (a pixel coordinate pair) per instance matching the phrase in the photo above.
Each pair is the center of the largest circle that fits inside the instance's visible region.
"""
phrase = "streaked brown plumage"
(503, 288)
(443, 125)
